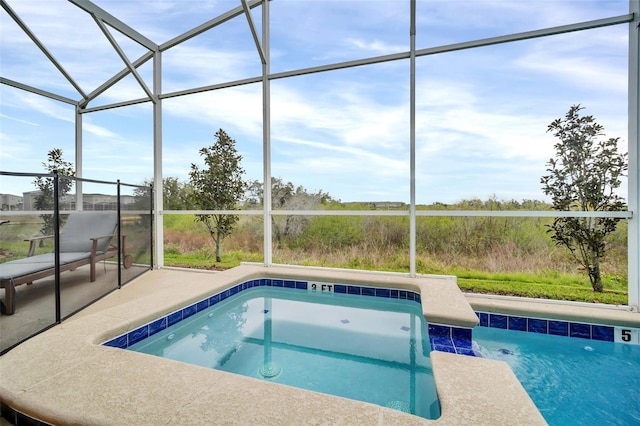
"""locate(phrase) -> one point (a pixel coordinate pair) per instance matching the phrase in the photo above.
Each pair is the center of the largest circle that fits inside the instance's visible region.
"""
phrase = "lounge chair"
(85, 239)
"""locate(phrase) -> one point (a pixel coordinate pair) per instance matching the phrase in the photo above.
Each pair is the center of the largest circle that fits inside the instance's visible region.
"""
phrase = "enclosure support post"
(79, 198)
(158, 245)
(634, 165)
(412, 143)
(266, 129)
(56, 244)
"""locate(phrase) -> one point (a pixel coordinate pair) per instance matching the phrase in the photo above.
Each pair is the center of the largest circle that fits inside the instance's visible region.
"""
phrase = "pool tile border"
(129, 338)
(442, 337)
(581, 330)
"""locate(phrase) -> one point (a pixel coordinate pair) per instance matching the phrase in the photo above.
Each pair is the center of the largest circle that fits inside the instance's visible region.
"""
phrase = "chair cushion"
(50, 258)
(15, 269)
(80, 227)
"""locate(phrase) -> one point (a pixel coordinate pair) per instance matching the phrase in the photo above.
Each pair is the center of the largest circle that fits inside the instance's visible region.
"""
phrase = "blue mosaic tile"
(352, 289)
(174, 318)
(517, 323)
(340, 288)
(484, 319)
(118, 342)
(498, 321)
(137, 335)
(214, 299)
(582, 331)
(202, 305)
(439, 330)
(558, 328)
(461, 337)
(368, 291)
(189, 311)
(602, 332)
(443, 348)
(157, 326)
(537, 325)
(440, 341)
(382, 292)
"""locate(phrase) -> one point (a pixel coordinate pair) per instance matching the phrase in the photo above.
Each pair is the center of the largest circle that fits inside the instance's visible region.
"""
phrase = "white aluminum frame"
(155, 95)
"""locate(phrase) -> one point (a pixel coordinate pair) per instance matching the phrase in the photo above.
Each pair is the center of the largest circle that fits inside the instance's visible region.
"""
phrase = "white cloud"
(481, 115)
(19, 120)
(376, 47)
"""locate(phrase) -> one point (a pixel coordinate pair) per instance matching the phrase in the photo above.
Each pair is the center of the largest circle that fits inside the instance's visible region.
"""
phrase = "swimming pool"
(372, 349)
(73, 374)
(571, 380)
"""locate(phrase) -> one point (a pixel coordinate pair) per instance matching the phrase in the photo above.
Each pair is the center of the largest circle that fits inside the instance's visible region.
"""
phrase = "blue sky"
(481, 114)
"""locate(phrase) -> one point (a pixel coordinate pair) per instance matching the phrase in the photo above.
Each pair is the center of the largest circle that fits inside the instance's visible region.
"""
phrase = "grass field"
(504, 267)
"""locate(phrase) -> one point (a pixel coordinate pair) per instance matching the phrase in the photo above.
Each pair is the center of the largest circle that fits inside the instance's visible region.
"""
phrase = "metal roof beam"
(116, 78)
(208, 25)
(124, 58)
(41, 46)
(254, 33)
(114, 22)
(527, 35)
(37, 91)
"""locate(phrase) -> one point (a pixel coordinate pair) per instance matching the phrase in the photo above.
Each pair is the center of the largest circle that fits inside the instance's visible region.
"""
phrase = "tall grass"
(488, 254)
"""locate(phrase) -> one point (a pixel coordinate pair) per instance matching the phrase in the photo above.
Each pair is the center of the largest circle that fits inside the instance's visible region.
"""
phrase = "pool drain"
(269, 370)
(399, 405)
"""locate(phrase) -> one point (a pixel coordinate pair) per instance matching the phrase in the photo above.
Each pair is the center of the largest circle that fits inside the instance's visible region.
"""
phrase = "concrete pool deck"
(64, 376)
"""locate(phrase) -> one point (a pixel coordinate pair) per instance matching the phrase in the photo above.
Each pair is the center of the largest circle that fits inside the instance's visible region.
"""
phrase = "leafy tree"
(286, 196)
(218, 186)
(44, 200)
(583, 176)
(176, 194)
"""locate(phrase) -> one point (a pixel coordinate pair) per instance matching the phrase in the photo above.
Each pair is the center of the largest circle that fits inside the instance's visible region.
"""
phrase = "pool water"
(365, 348)
(572, 381)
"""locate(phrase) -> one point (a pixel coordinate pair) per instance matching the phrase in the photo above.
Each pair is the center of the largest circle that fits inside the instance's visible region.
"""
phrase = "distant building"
(11, 202)
(29, 198)
(68, 202)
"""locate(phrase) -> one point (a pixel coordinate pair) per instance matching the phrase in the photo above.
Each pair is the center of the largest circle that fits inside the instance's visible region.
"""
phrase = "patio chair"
(85, 239)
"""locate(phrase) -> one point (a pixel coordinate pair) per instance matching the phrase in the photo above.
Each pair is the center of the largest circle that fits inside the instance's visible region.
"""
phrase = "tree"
(285, 196)
(583, 176)
(44, 200)
(176, 194)
(218, 186)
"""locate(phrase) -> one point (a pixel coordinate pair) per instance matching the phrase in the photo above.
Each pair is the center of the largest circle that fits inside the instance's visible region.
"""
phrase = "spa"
(430, 104)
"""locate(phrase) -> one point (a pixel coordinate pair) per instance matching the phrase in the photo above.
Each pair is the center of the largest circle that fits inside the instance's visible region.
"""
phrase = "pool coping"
(63, 376)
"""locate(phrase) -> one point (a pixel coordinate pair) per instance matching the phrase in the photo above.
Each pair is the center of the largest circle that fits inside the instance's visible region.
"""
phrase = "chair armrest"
(94, 244)
(32, 243)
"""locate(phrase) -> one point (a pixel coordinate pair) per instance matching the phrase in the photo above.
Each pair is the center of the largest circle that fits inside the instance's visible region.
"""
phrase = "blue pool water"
(572, 381)
(365, 348)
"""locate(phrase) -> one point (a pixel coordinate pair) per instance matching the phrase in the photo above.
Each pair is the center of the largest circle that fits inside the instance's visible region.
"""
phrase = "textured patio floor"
(63, 376)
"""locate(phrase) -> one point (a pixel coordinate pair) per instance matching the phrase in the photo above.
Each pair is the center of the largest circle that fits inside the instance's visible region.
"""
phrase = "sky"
(481, 114)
